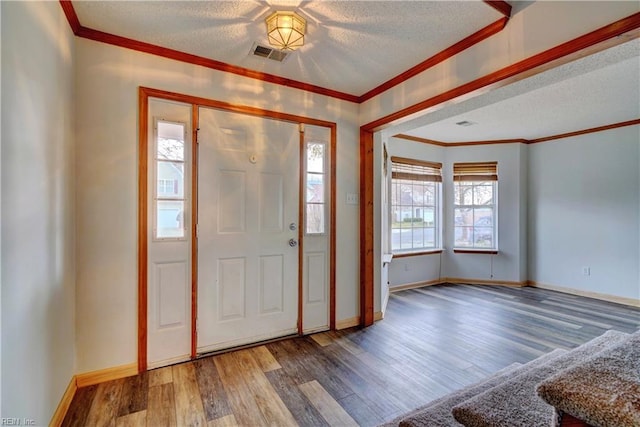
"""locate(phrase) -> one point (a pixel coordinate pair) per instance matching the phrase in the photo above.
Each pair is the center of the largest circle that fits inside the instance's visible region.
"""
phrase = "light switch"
(352, 198)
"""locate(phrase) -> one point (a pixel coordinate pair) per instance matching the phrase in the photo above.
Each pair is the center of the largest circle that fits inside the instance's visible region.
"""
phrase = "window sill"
(409, 254)
(476, 251)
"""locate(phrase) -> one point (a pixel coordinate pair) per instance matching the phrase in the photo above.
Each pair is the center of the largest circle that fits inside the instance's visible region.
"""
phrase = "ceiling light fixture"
(286, 30)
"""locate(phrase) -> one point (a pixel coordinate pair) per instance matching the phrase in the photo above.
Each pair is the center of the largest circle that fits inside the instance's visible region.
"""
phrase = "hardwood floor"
(433, 340)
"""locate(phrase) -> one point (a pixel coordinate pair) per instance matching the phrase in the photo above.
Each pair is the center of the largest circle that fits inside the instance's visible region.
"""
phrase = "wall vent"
(269, 53)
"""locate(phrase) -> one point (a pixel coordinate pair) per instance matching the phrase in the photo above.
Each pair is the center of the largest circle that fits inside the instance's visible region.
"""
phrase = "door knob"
(293, 243)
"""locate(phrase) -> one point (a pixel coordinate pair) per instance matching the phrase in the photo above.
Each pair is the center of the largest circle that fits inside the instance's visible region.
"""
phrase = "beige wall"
(107, 80)
(38, 260)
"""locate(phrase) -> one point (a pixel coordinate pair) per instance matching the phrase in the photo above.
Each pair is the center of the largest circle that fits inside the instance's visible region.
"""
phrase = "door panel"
(271, 202)
(316, 290)
(248, 176)
(172, 280)
(231, 209)
(231, 288)
(271, 284)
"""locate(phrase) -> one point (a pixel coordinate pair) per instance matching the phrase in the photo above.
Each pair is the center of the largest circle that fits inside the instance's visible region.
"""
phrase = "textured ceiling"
(351, 46)
(595, 91)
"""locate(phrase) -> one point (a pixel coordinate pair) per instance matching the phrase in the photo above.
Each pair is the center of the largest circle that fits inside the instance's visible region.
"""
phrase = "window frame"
(324, 175)
(477, 177)
(436, 206)
(164, 198)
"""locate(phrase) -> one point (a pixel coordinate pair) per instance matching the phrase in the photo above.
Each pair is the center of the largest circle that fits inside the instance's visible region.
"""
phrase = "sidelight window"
(315, 183)
(169, 194)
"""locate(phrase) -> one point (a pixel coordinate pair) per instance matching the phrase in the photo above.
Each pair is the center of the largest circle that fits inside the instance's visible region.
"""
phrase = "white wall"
(38, 269)
(107, 80)
(584, 210)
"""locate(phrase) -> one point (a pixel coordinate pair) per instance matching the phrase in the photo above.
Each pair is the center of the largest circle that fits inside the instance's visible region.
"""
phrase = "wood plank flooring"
(433, 340)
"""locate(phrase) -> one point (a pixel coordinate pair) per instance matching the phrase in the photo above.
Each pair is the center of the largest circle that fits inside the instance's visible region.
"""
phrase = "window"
(167, 187)
(169, 191)
(315, 187)
(475, 205)
(415, 205)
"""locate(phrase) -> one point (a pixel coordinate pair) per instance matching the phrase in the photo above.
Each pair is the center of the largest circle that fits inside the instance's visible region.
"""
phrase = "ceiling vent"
(269, 53)
(466, 123)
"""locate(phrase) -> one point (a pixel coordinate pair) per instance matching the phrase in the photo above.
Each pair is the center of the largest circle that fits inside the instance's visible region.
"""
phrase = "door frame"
(144, 93)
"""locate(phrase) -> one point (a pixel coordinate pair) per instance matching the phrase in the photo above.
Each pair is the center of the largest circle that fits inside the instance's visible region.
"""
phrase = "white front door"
(248, 212)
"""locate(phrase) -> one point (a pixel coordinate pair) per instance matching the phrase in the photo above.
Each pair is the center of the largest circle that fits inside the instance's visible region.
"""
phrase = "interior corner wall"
(38, 192)
(584, 210)
(107, 81)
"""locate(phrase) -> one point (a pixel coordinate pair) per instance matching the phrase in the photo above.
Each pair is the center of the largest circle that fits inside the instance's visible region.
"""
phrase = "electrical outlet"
(586, 271)
(406, 267)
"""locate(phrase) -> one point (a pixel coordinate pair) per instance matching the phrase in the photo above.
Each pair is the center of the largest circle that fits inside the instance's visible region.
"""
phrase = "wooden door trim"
(301, 195)
(143, 172)
(144, 93)
(366, 229)
(195, 119)
(332, 230)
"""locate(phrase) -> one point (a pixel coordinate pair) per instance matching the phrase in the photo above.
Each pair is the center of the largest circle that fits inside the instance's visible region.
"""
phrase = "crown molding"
(127, 43)
(439, 57)
(586, 131)
(518, 140)
(598, 40)
(501, 6)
